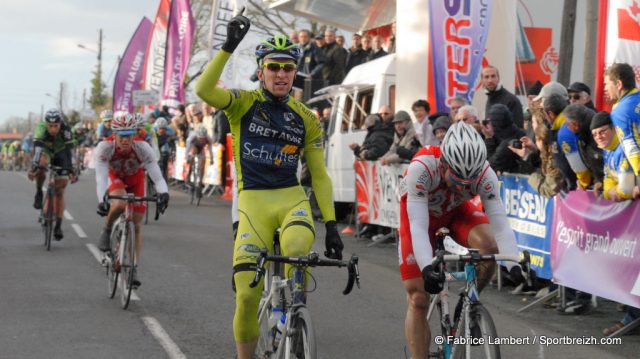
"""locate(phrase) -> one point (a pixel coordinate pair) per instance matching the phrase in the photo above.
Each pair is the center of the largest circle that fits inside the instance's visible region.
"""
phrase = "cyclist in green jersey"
(269, 129)
(53, 142)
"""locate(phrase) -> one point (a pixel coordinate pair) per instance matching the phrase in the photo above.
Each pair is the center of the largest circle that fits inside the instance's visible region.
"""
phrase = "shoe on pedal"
(105, 236)
(57, 233)
(37, 201)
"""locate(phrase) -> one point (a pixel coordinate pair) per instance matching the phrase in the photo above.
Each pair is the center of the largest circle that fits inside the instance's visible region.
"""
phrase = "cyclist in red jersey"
(120, 162)
(439, 189)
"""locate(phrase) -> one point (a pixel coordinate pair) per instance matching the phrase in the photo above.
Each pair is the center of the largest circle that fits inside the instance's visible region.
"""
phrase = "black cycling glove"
(163, 202)
(332, 241)
(433, 279)
(103, 208)
(237, 28)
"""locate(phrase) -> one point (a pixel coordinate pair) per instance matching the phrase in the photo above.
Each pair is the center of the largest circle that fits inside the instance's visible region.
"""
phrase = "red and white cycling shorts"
(132, 184)
(460, 221)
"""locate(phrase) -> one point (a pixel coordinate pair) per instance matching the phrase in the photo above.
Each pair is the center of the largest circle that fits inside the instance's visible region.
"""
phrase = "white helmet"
(106, 115)
(140, 120)
(464, 151)
(161, 122)
(124, 122)
(201, 131)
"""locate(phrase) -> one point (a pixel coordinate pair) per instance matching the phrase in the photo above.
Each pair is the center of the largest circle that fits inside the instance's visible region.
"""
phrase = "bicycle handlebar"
(311, 260)
(131, 198)
(475, 257)
(52, 168)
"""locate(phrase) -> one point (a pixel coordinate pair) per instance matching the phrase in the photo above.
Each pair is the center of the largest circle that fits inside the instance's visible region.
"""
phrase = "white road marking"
(78, 229)
(98, 255)
(163, 338)
(540, 347)
(68, 216)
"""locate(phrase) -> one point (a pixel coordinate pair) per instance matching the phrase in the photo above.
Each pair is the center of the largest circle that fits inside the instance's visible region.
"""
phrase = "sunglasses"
(277, 66)
(575, 97)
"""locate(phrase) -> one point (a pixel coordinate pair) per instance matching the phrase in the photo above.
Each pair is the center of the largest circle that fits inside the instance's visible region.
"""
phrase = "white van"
(363, 91)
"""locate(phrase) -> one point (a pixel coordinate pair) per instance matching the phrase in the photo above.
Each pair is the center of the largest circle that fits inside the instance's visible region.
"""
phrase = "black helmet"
(278, 46)
(53, 116)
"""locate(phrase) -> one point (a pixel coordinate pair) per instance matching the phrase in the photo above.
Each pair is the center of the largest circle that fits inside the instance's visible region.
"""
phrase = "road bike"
(47, 212)
(121, 262)
(195, 180)
(294, 338)
(471, 332)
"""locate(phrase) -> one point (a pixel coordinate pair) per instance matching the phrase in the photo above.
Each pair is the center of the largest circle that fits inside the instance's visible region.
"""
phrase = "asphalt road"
(55, 305)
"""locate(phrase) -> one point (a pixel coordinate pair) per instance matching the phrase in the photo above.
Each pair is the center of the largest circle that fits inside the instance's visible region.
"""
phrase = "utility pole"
(566, 41)
(60, 97)
(591, 26)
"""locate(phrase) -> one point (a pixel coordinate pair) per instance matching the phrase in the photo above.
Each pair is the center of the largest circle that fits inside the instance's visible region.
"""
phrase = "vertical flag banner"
(221, 14)
(130, 70)
(459, 31)
(179, 39)
(618, 39)
(154, 64)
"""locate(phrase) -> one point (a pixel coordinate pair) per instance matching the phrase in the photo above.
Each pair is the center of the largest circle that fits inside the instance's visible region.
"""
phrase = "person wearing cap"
(270, 130)
(377, 141)
(405, 144)
(312, 60)
(575, 141)
(320, 42)
(580, 93)
(551, 88)
(619, 181)
(620, 87)
(335, 59)
(440, 127)
(497, 94)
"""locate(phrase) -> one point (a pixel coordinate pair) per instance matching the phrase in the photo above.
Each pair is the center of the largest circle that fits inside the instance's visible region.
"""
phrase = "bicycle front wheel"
(482, 330)
(113, 264)
(301, 342)
(128, 265)
(48, 229)
(264, 348)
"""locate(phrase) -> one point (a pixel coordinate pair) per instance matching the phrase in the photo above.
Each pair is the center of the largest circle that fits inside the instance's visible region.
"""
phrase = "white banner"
(377, 195)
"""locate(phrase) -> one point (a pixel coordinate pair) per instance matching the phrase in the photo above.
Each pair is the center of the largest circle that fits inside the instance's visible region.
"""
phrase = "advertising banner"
(377, 196)
(129, 74)
(156, 49)
(594, 246)
(459, 31)
(179, 39)
(530, 216)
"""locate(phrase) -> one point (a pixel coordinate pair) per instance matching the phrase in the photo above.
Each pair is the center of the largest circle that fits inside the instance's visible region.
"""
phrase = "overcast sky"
(39, 48)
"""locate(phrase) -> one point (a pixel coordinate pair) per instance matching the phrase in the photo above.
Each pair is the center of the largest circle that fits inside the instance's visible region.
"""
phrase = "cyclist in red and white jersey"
(438, 191)
(120, 162)
(197, 140)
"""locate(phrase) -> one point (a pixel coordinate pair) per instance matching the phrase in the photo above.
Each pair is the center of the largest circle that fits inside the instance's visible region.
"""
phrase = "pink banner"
(179, 38)
(594, 246)
(377, 195)
(129, 75)
(154, 64)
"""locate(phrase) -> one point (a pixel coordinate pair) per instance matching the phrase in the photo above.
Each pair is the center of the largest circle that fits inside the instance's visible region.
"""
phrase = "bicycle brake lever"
(354, 275)
(259, 269)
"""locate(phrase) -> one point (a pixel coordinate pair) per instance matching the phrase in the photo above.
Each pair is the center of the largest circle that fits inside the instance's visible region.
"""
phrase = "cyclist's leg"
(416, 327)
(201, 161)
(256, 228)
(135, 184)
(472, 230)
(62, 179)
(40, 175)
(297, 230)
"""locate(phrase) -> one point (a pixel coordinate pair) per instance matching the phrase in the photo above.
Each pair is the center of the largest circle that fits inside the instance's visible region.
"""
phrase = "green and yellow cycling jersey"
(53, 144)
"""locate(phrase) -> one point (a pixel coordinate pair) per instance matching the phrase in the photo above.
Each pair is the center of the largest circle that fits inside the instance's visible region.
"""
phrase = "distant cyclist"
(270, 129)
(436, 192)
(27, 148)
(166, 142)
(120, 164)
(53, 143)
(104, 128)
(196, 142)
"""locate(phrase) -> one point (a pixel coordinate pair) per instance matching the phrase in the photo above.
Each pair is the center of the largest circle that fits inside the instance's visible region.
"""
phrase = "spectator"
(207, 120)
(324, 121)
(356, 55)
(312, 59)
(198, 116)
(377, 141)
(620, 87)
(424, 130)
(387, 119)
(189, 113)
(376, 48)
(340, 41)
(583, 155)
(366, 46)
(180, 125)
(504, 132)
(554, 106)
(547, 178)
(497, 94)
(619, 181)
(440, 127)
(319, 40)
(335, 59)
(392, 41)
(631, 314)
(532, 93)
(405, 144)
(550, 88)
(293, 36)
(469, 115)
(455, 105)
(579, 93)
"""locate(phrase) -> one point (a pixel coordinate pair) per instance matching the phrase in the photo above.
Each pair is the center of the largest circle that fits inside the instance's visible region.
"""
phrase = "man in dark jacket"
(377, 141)
(376, 48)
(496, 94)
(580, 93)
(335, 59)
(504, 133)
(356, 55)
(312, 60)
